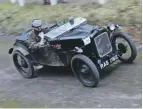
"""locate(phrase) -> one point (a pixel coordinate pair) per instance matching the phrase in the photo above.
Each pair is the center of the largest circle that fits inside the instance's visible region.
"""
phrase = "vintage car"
(86, 48)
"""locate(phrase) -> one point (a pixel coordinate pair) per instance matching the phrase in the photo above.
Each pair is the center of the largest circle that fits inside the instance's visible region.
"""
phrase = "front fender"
(116, 34)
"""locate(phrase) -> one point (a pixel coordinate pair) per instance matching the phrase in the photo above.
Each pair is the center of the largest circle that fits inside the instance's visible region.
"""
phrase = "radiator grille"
(103, 44)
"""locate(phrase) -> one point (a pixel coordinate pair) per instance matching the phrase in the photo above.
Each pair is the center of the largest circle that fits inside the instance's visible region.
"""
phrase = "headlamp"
(111, 27)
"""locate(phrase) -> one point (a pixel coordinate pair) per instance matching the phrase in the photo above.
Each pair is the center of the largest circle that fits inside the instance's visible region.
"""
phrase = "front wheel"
(123, 44)
(85, 70)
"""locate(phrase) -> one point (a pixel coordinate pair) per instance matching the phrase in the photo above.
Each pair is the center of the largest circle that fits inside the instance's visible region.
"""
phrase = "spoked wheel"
(85, 70)
(23, 65)
(125, 47)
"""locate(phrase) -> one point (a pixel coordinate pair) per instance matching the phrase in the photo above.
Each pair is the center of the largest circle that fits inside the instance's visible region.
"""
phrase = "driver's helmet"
(36, 24)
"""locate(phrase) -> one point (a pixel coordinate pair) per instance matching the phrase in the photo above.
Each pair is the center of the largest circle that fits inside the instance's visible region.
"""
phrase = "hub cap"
(22, 64)
(123, 48)
(85, 73)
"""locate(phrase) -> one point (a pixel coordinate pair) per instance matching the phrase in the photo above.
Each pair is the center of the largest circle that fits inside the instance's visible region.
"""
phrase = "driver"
(33, 38)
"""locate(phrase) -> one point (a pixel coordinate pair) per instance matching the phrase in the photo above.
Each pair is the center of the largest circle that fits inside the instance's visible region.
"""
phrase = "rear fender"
(22, 50)
(10, 50)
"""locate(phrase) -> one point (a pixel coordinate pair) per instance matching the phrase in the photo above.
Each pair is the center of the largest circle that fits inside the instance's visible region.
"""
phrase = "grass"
(14, 103)
(9, 104)
(17, 103)
(124, 12)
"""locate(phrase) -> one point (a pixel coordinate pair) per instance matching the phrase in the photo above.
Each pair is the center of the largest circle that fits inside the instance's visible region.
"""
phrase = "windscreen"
(65, 28)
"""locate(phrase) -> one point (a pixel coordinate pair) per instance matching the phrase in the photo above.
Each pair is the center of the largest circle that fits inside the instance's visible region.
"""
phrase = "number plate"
(107, 62)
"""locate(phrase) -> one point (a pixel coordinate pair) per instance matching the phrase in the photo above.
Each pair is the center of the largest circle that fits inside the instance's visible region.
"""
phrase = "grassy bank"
(124, 12)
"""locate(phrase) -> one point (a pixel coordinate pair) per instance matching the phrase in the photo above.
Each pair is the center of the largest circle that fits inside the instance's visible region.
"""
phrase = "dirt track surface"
(120, 86)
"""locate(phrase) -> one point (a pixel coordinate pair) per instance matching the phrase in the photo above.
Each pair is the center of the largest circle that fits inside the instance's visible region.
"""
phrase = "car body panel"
(63, 44)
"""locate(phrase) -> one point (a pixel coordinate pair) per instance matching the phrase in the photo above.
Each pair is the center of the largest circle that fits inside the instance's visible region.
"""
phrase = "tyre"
(85, 70)
(23, 65)
(124, 45)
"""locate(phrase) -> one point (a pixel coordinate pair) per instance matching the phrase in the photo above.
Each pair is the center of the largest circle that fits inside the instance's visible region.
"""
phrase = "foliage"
(124, 12)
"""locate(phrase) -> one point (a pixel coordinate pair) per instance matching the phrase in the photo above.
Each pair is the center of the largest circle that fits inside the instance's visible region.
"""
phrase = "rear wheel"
(23, 65)
(85, 70)
(123, 44)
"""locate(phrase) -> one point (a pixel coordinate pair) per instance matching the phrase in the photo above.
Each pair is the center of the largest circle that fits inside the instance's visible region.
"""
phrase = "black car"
(86, 48)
